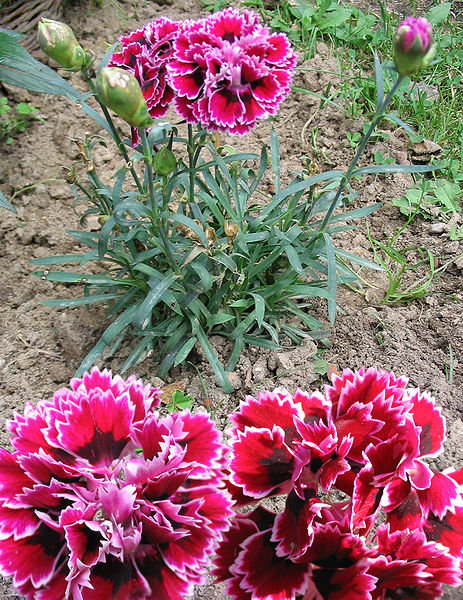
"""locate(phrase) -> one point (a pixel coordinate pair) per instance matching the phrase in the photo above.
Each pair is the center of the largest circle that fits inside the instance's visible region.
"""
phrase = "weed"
(438, 197)
(398, 263)
(449, 368)
(15, 120)
(179, 401)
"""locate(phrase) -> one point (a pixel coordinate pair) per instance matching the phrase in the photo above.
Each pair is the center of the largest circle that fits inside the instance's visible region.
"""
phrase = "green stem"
(147, 155)
(155, 219)
(191, 164)
(345, 180)
(116, 136)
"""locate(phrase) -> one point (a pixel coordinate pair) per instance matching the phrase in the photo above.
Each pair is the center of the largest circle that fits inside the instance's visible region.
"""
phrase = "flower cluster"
(103, 499)
(225, 72)
(362, 443)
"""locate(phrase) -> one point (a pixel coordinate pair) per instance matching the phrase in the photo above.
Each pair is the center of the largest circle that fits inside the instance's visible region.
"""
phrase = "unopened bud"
(57, 40)
(230, 230)
(120, 91)
(102, 219)
(413, 45)
(164, 161)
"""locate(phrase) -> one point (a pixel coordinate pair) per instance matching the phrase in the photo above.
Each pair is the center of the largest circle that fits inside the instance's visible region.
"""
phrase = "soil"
(41, 347)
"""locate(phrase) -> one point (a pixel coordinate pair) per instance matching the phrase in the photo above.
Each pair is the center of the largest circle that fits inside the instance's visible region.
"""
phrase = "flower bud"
(231, 231)
(413, 45)
(58, 41)
(164, 161)
(120, 91)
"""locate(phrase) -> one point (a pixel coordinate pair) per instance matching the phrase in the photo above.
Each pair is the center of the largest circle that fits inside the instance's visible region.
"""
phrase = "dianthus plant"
(104, 499)
(362, 515)
(193, 245)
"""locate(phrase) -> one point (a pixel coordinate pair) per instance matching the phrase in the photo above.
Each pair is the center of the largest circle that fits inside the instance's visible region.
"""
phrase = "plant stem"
(345, 180)
(116, 136)
(149, 167)
(191, 163)
(155, 219)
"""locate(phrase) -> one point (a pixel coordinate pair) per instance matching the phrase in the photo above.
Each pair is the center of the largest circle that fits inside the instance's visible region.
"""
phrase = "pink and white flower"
(228, 71)
(102, 498)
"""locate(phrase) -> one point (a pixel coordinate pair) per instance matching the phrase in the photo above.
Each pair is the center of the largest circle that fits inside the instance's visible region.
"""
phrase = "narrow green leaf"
(203, 274)
(400, 123)
(363, 262)
(138, 354)
(226, 261)
(259, 236)
(17, 67)
(84, 301)
(65, 258)
(215, 363)
(241, 303)
(158, 288)
(272, 332)
(109, 335)
(332, 278)
(395, 169)
(91, 112)
(263, 265)
(261, 342)
(294, 260)
(236, 352)
(64, 277)
(358, 213)
(169, 356)
(192, 225)
(219, 318)
(261, 171)
(4, 203)
(104, 61)
(293, 188)
(104, 236)
(184, 351)
(275, 158)
(259, 308)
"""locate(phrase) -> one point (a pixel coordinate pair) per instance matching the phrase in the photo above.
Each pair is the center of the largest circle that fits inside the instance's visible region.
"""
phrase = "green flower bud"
(58, 41)
(120, 91)
(164, 161)
(413, 45)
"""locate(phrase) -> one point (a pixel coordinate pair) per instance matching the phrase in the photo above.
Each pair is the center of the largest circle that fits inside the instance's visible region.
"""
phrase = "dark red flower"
(367, 437)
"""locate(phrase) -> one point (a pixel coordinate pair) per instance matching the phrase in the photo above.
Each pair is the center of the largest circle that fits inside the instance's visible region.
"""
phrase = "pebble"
(234, 379)
(436, 228)
(260, 370)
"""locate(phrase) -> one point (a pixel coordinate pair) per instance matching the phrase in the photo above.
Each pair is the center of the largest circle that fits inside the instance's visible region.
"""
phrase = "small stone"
(92, 223)
(260, 370)
(272, 363)
(436, 228)
(234, 379)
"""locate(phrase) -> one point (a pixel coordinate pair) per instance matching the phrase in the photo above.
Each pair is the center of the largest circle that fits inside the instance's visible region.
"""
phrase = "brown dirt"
(41, 347)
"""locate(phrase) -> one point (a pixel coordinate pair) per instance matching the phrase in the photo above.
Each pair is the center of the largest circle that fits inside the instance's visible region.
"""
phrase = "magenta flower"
(228, 71)
(368, 437)
(103, 499)
(145, 54)
(413, 45)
